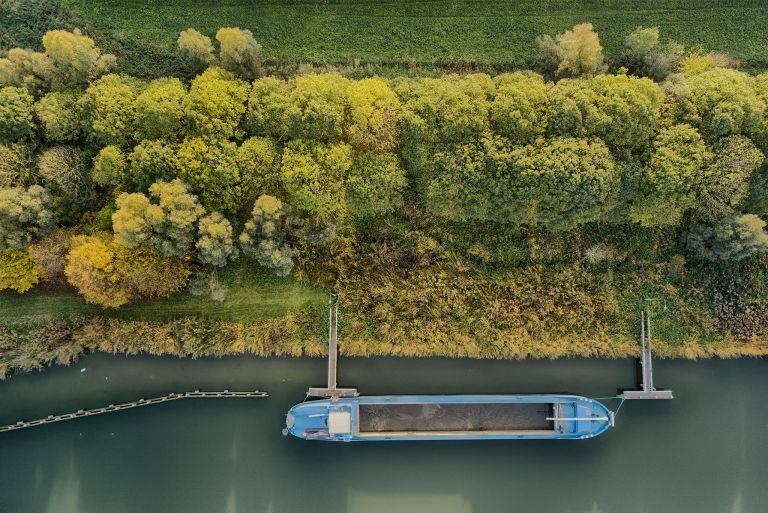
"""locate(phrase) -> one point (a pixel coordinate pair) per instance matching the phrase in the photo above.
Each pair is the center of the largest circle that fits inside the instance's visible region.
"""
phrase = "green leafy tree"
(109, 110)
(577, 52)
(720, 103)
(265, 234)
(727, 183)
(16, 109)
(270, 108)
(623, 111)
(210, 169)
(557, 184)
(196, 47)
(25, 215)
(109, 166)
(563, 183)
(258, 159)
(215, 104)
(672, 179)
(17, 271)
(215, 245)
(374, 115)
(64, 167)
(160, 110)
(520, 108)
(473, 182)
(314, 175)
(76, 58)
(317, 107)
(375, 185)
(239, 52)
(758, 196)
(734, 238)
(447, 110)
(59, 117)
(150, 162)
(167, 225)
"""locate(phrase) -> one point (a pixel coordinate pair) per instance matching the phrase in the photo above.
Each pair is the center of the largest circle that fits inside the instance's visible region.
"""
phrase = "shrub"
(16, 107)
(211, 171)
(109, 166)
(735, 238)
(265, 234)
(215, 245)
(215, 104)
(239, 52)
(375, 185)
(160, 110)
(17, 271)
(168, 226)
(25, 215)
(374, 115)
(59, 117)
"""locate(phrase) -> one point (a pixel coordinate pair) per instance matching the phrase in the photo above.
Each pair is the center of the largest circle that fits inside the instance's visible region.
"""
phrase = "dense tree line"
(165, 179)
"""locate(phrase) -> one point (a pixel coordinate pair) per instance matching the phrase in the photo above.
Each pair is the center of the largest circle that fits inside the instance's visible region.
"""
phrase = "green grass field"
(253, 296)
(495, 32)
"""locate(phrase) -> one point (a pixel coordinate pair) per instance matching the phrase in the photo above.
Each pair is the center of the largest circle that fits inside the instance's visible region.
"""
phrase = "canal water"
(704, 452)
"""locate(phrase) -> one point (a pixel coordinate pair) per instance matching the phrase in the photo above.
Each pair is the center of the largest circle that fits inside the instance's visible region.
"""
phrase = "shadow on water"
(703, 452)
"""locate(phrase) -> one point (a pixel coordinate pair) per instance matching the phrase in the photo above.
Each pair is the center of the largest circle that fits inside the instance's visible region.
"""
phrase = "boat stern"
(320, 420)
(582, 418)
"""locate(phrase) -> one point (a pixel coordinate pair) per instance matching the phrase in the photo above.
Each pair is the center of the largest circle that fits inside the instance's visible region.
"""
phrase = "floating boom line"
(197, 394)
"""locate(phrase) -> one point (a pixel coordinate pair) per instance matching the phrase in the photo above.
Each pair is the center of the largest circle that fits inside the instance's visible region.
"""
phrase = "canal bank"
(703, 452)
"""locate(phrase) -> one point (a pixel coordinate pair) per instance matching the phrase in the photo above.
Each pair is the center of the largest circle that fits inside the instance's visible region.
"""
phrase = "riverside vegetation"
(517, 215)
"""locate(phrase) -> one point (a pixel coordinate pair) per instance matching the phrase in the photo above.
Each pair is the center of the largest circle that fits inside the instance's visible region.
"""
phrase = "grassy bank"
(437, 306)
(499, 32)
(253, 295)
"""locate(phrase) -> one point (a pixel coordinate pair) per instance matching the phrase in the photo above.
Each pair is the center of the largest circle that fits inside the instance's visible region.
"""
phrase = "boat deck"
(431, 417)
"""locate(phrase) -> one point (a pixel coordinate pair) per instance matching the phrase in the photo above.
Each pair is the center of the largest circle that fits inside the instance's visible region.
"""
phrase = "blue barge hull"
(448, 417)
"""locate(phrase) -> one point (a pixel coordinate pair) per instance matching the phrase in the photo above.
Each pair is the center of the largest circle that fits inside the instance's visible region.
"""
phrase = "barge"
(448, 417)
